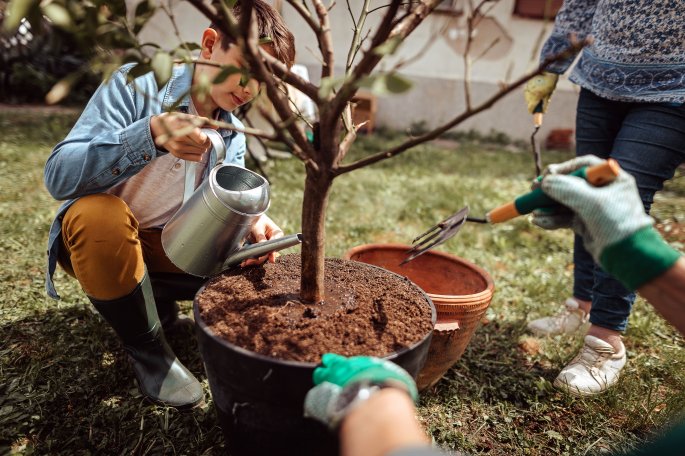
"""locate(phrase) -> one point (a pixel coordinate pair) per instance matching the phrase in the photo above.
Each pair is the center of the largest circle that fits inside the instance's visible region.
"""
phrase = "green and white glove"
(539, 89)
(611, 220)
(342, 383)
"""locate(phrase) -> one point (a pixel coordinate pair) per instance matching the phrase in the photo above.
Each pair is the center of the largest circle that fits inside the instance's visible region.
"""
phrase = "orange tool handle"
(597, 175)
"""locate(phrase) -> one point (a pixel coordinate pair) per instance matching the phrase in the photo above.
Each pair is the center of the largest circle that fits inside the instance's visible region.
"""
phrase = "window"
(537, 9)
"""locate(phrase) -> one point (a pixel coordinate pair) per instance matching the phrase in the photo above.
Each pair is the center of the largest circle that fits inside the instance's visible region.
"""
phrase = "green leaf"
(61, 89)
(389, 47)
(225, 73)
(138, 70)
(143, 8)
(190, 45)
(144, 11)
(397, 84)
(385, 83)
(16, 11)
(161, 64)
(58, 15)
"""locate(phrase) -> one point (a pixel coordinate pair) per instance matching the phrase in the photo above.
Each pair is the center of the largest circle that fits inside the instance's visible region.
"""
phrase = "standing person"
(121, 170)
(632, 79)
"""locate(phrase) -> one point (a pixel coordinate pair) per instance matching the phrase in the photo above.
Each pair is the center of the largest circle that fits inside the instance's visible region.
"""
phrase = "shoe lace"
(591, 357)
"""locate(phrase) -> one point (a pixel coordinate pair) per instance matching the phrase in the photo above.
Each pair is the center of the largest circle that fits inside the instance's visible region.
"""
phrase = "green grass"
(66, 388)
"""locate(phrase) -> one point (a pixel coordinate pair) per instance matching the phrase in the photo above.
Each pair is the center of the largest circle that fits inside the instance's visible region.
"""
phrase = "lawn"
(66, 388)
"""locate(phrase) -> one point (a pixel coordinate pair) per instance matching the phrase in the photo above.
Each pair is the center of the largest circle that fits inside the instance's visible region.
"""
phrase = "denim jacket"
(111, 141)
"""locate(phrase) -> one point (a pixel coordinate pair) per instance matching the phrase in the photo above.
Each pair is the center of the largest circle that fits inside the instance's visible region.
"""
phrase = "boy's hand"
(181, 135)
(263, 229)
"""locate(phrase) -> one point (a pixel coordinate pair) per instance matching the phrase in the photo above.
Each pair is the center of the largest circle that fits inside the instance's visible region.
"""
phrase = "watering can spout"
(261, 249)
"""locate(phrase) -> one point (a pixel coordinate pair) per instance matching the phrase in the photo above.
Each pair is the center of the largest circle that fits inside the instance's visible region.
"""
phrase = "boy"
(122, 175)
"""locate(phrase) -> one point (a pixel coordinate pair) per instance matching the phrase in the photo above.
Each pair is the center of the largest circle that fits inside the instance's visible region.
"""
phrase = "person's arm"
(383, 424)
(619, 235)
(574, 20)
(667, 294)
(107, 145)
(370, 402)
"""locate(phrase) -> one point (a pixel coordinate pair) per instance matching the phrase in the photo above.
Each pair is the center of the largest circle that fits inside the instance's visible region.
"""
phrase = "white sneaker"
(570, 320)
(594, 369)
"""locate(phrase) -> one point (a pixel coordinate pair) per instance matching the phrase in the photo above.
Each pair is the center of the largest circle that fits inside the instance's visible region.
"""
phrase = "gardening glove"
(560, 216)
(612, 222)
(342, 383)
(539, 90)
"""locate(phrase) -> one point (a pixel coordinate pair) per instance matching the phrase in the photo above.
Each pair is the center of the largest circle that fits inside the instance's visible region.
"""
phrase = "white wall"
(436, 69)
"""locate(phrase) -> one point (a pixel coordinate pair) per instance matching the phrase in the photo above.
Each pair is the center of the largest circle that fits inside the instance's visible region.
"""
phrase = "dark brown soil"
(367, 311)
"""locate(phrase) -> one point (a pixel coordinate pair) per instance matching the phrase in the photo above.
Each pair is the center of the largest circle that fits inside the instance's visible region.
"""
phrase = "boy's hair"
(270, 26)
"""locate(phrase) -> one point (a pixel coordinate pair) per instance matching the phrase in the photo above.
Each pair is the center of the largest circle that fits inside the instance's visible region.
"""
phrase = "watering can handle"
(219, 147)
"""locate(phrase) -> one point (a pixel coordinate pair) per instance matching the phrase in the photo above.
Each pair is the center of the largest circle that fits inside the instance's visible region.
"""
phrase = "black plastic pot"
(259, 400)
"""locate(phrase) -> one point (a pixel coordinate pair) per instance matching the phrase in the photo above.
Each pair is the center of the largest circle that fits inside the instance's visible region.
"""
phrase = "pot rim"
(302, 364)
(490, 284)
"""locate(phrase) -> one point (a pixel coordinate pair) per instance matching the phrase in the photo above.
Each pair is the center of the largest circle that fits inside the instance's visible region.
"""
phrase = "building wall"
(435, 66)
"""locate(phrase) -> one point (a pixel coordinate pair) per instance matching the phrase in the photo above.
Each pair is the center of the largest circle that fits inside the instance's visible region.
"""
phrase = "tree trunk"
(316, 189)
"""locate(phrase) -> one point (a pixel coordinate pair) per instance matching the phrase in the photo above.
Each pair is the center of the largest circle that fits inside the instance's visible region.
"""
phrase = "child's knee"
(99, 213)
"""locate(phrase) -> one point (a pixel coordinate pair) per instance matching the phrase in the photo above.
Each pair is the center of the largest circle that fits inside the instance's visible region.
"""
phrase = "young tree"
(106, 23)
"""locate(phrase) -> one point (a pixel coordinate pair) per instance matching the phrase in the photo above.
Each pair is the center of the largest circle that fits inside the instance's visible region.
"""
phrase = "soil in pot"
(363, 314)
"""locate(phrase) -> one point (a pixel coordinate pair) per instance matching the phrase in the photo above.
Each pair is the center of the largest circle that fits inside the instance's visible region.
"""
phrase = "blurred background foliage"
(36, 56)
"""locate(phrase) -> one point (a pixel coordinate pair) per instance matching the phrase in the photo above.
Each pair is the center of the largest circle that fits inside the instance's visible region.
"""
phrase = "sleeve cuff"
(639, 258)
(138, 143)
(556, 44)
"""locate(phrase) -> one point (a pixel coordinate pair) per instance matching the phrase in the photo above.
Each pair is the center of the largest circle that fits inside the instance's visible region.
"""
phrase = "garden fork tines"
(437, 234)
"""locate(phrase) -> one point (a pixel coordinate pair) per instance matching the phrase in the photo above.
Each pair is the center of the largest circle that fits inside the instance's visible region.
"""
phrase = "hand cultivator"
(525, 204)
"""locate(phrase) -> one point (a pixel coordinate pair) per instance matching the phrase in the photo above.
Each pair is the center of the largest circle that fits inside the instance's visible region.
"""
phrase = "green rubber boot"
(161, 376)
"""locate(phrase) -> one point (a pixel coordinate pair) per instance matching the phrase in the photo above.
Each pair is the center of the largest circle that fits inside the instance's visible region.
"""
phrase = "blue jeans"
(648, 141)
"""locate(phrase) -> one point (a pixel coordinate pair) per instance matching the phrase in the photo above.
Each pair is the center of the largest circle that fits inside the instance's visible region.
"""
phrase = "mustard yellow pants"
(102, 247)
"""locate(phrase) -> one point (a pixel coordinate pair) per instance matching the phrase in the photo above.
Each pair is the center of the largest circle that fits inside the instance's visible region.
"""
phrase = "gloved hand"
(339, 381)
(539, 89)
(611, 220)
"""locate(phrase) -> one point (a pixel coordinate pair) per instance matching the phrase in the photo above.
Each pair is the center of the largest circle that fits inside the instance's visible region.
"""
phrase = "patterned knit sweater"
(638, 52)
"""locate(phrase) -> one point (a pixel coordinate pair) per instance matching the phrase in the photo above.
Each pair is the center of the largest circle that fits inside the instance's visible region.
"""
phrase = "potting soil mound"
(367, 311)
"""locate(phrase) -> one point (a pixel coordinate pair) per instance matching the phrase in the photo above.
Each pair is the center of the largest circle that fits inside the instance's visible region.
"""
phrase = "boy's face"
(229, 94)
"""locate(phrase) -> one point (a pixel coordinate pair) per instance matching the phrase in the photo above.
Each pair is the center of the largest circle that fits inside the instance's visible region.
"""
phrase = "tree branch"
(301, 8)
(325, 39)
(575, 47)
(250, 46)
(356, 39)
(280, 132)
(386, 30)
(287, 76)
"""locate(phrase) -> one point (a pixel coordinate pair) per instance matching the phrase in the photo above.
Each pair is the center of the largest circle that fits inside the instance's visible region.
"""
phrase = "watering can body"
(212, 224)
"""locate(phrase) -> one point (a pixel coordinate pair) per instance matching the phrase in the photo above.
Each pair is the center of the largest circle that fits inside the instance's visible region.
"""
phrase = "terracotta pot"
(460, 290)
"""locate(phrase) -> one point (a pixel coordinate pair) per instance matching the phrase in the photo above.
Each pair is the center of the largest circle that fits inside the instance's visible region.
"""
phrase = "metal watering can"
(205, 236)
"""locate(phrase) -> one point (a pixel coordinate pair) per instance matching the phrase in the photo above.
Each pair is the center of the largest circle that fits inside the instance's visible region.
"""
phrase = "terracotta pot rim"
(199, 321)
(490, 284)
